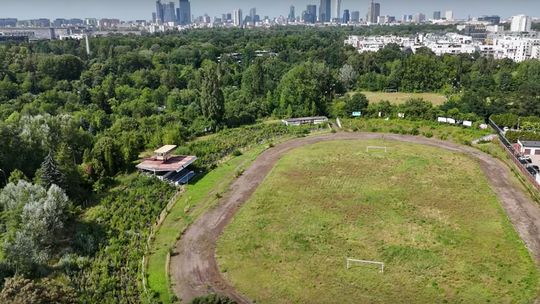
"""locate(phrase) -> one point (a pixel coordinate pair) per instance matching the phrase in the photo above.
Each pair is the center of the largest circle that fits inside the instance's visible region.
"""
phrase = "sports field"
(399, 97)
(427, 213)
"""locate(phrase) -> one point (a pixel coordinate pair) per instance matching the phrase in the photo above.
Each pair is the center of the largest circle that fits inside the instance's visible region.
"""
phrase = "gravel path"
(193, 267)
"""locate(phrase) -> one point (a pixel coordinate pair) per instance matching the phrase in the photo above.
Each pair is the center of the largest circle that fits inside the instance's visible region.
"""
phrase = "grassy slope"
(433, 129)
(445, 237)
(197, 198)
(399, 97)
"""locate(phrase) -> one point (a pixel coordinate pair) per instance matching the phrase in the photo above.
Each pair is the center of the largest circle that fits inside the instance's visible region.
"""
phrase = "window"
(527, 151)
(537, 152)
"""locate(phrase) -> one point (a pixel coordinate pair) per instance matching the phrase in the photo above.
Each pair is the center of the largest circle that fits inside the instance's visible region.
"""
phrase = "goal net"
(351, 262)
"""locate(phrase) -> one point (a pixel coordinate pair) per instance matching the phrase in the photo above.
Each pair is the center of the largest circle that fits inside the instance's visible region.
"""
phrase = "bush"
(212, 299)
(427, 134)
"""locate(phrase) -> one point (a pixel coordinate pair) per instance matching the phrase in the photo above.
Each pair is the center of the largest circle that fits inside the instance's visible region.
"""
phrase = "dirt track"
(194, 270)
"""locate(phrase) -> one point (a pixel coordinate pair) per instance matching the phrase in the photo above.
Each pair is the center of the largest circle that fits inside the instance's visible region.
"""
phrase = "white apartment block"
(515, 47)
(521, 23)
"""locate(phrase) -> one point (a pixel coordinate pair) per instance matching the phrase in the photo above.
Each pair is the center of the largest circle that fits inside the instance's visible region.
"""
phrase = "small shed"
(316, 120)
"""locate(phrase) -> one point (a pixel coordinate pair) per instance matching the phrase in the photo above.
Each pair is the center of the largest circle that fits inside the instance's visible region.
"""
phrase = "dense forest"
(72, 125)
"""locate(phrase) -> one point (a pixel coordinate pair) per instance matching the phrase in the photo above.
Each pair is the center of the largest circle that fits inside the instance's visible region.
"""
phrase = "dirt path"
(194, 270)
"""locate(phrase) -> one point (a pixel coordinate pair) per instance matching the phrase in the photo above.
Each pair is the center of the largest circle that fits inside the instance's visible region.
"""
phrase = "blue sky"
(142, 9)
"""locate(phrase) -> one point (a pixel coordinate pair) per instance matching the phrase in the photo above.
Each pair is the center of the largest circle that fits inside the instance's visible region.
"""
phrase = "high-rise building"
(521, 23)
(169, 12)
(310, 15)
(325, 11)
(419, 18)
(336, 9)
(238, 18)
(449, 15)
(292, 16)
(8, 22)
(374, 11)
(253, 15)
(491, 19)
(346, 16)
(355, 16)
(437, 15)
(184, 12)
(159, 12)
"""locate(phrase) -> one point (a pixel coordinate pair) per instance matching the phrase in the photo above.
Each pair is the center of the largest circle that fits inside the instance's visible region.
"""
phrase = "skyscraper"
(521, 23)
(159, 12)
(325, 11)
(346, 16)
(449, 15)
(310, 15)
(419, 18)
(253, 15)
(374, 11)
(184, 12)
(355, 16)
(292, 16)
(238, 18)
(437, 15)
(169, 12)
(336, 9)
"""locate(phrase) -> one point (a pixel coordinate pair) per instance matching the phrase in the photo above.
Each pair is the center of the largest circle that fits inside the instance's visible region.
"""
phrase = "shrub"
(427, 134)
(212, 299)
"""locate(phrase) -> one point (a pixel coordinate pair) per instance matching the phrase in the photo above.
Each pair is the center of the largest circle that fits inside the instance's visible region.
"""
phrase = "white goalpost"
(376, 148)
(353, 261)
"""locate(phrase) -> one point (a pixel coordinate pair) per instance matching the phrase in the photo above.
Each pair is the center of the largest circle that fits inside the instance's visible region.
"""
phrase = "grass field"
(197, 198)
(427, 213)
(399, 97)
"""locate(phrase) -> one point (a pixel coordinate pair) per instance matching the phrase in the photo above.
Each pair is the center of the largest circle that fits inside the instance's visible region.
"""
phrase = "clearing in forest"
(427, 213)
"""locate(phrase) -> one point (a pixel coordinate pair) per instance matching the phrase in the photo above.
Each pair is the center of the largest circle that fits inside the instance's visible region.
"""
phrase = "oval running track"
(194, 270)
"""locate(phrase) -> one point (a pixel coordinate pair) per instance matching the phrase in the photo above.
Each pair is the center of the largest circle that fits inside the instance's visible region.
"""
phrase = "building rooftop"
(530, 143)
(175, 163)
(165, 149)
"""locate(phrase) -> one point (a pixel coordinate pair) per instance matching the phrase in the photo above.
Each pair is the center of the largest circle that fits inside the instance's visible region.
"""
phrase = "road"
(194, 270)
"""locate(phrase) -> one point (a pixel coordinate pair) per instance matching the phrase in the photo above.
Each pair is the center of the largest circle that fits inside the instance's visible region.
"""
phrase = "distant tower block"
(87, 45)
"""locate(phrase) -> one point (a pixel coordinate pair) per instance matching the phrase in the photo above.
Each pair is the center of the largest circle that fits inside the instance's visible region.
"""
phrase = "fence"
(513, 154)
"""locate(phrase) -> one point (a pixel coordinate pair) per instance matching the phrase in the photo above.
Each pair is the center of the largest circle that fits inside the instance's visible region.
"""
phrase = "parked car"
(525, 161)
(535, 167)
(532, 171)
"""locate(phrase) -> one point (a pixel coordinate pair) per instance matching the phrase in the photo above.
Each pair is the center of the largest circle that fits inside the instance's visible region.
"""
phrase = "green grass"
(193, 202)
(428, 213)
(399, 97)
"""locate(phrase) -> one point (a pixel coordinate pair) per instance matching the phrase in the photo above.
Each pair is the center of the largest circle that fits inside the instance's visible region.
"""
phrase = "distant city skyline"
(142, 9)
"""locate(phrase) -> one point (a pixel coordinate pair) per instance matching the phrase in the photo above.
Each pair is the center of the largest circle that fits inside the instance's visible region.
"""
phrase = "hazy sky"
(142, 9)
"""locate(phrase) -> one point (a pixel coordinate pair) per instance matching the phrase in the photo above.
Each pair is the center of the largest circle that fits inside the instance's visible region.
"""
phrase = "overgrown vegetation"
(429, 129)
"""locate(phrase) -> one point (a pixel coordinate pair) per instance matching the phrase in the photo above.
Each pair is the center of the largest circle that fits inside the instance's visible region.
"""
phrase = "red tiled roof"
(175, 163)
